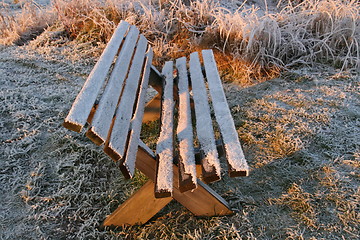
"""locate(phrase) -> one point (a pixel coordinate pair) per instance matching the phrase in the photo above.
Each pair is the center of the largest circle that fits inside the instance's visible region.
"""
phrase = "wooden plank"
(107, 106)
(85, 100)
(164, 147)
(115, 144)
(204, 128)
(234, 153)
(156, 79)
(139, 208)
(128, 165)
(153, 109)
(187, 166)
(202, 201)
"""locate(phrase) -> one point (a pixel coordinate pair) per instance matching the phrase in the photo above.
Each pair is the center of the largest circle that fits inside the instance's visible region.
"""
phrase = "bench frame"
(143, 205)
(117, 126)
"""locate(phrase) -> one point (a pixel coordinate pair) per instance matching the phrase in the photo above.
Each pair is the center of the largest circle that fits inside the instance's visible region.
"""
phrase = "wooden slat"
(106, 109)
(128, 165)
(187, 166)
(138, 209)
(164, 148)
(115, 145)
(202, 201)
(204, 128)
(153, 109)
(155, 79)
(234, 153)
(85, 100)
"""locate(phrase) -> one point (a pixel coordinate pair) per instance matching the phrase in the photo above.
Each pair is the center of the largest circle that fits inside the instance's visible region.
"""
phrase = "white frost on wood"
(204, 126)
(234, 153)
(136, 122)
(184, 128)
(124, 111)
(86, 98)
(106, 109)
(164, 147)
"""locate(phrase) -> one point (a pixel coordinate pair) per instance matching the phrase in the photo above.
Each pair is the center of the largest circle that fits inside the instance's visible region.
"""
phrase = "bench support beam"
(202, 201)
(139, 208)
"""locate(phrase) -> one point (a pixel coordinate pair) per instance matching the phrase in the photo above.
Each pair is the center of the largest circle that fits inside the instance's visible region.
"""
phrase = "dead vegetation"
(250, 43)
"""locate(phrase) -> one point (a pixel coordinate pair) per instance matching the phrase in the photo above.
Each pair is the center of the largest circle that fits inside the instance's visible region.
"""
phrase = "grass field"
(291, 75)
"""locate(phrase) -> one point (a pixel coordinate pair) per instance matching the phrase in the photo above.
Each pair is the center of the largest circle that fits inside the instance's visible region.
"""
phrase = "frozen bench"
(112, 101)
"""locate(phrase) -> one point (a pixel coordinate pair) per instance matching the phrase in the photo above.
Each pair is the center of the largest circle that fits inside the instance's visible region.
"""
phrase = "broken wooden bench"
(113, 103)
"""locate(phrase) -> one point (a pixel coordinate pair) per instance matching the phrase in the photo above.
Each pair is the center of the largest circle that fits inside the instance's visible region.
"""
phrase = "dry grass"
(300, 203)
(251, 44)
(26, 24)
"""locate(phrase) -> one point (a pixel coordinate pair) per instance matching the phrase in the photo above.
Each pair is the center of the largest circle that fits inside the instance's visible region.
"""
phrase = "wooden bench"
(113, 103)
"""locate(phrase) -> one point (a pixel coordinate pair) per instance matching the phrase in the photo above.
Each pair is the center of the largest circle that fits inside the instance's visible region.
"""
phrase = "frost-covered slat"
(234, 153)
(204, 127)
(128, 165)
(117, 140)
(85, 100)
(164, 147)
(103, 117)
(187, 167)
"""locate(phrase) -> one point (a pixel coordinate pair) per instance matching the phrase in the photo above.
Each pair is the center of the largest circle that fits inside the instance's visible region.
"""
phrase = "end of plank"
(72, 126)
(111, 152)
(241, 173)
(162, 194)
(91, 134)
(209, 177)
(186, 183)
(125, 170)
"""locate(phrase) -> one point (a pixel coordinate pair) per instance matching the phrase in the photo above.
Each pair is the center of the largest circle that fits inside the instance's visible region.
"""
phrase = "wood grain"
(138, 209)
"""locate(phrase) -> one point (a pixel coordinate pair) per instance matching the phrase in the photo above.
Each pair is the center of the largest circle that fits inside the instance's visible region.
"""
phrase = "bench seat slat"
(115, 144)
(187, 165)
(204, 128)
(128, 165)
(164, 148)
(234, 153)
(103, 117)
(85, 100)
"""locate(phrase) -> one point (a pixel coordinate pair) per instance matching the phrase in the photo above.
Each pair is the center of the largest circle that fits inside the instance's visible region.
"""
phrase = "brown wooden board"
(138, 209)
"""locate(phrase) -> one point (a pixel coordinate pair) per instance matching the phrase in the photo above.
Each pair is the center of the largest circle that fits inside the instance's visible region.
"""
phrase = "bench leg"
(202, 201)
(142, 205)
(138, 209)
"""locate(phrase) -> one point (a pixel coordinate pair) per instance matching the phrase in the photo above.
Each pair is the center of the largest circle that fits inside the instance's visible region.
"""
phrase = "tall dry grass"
(249, 41)
(17, 27)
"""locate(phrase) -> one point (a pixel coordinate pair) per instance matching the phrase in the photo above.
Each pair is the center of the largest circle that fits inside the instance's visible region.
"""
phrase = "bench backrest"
(119, 81)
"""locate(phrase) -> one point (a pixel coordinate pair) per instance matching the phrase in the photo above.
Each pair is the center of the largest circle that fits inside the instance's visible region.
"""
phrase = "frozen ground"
(300, 132)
